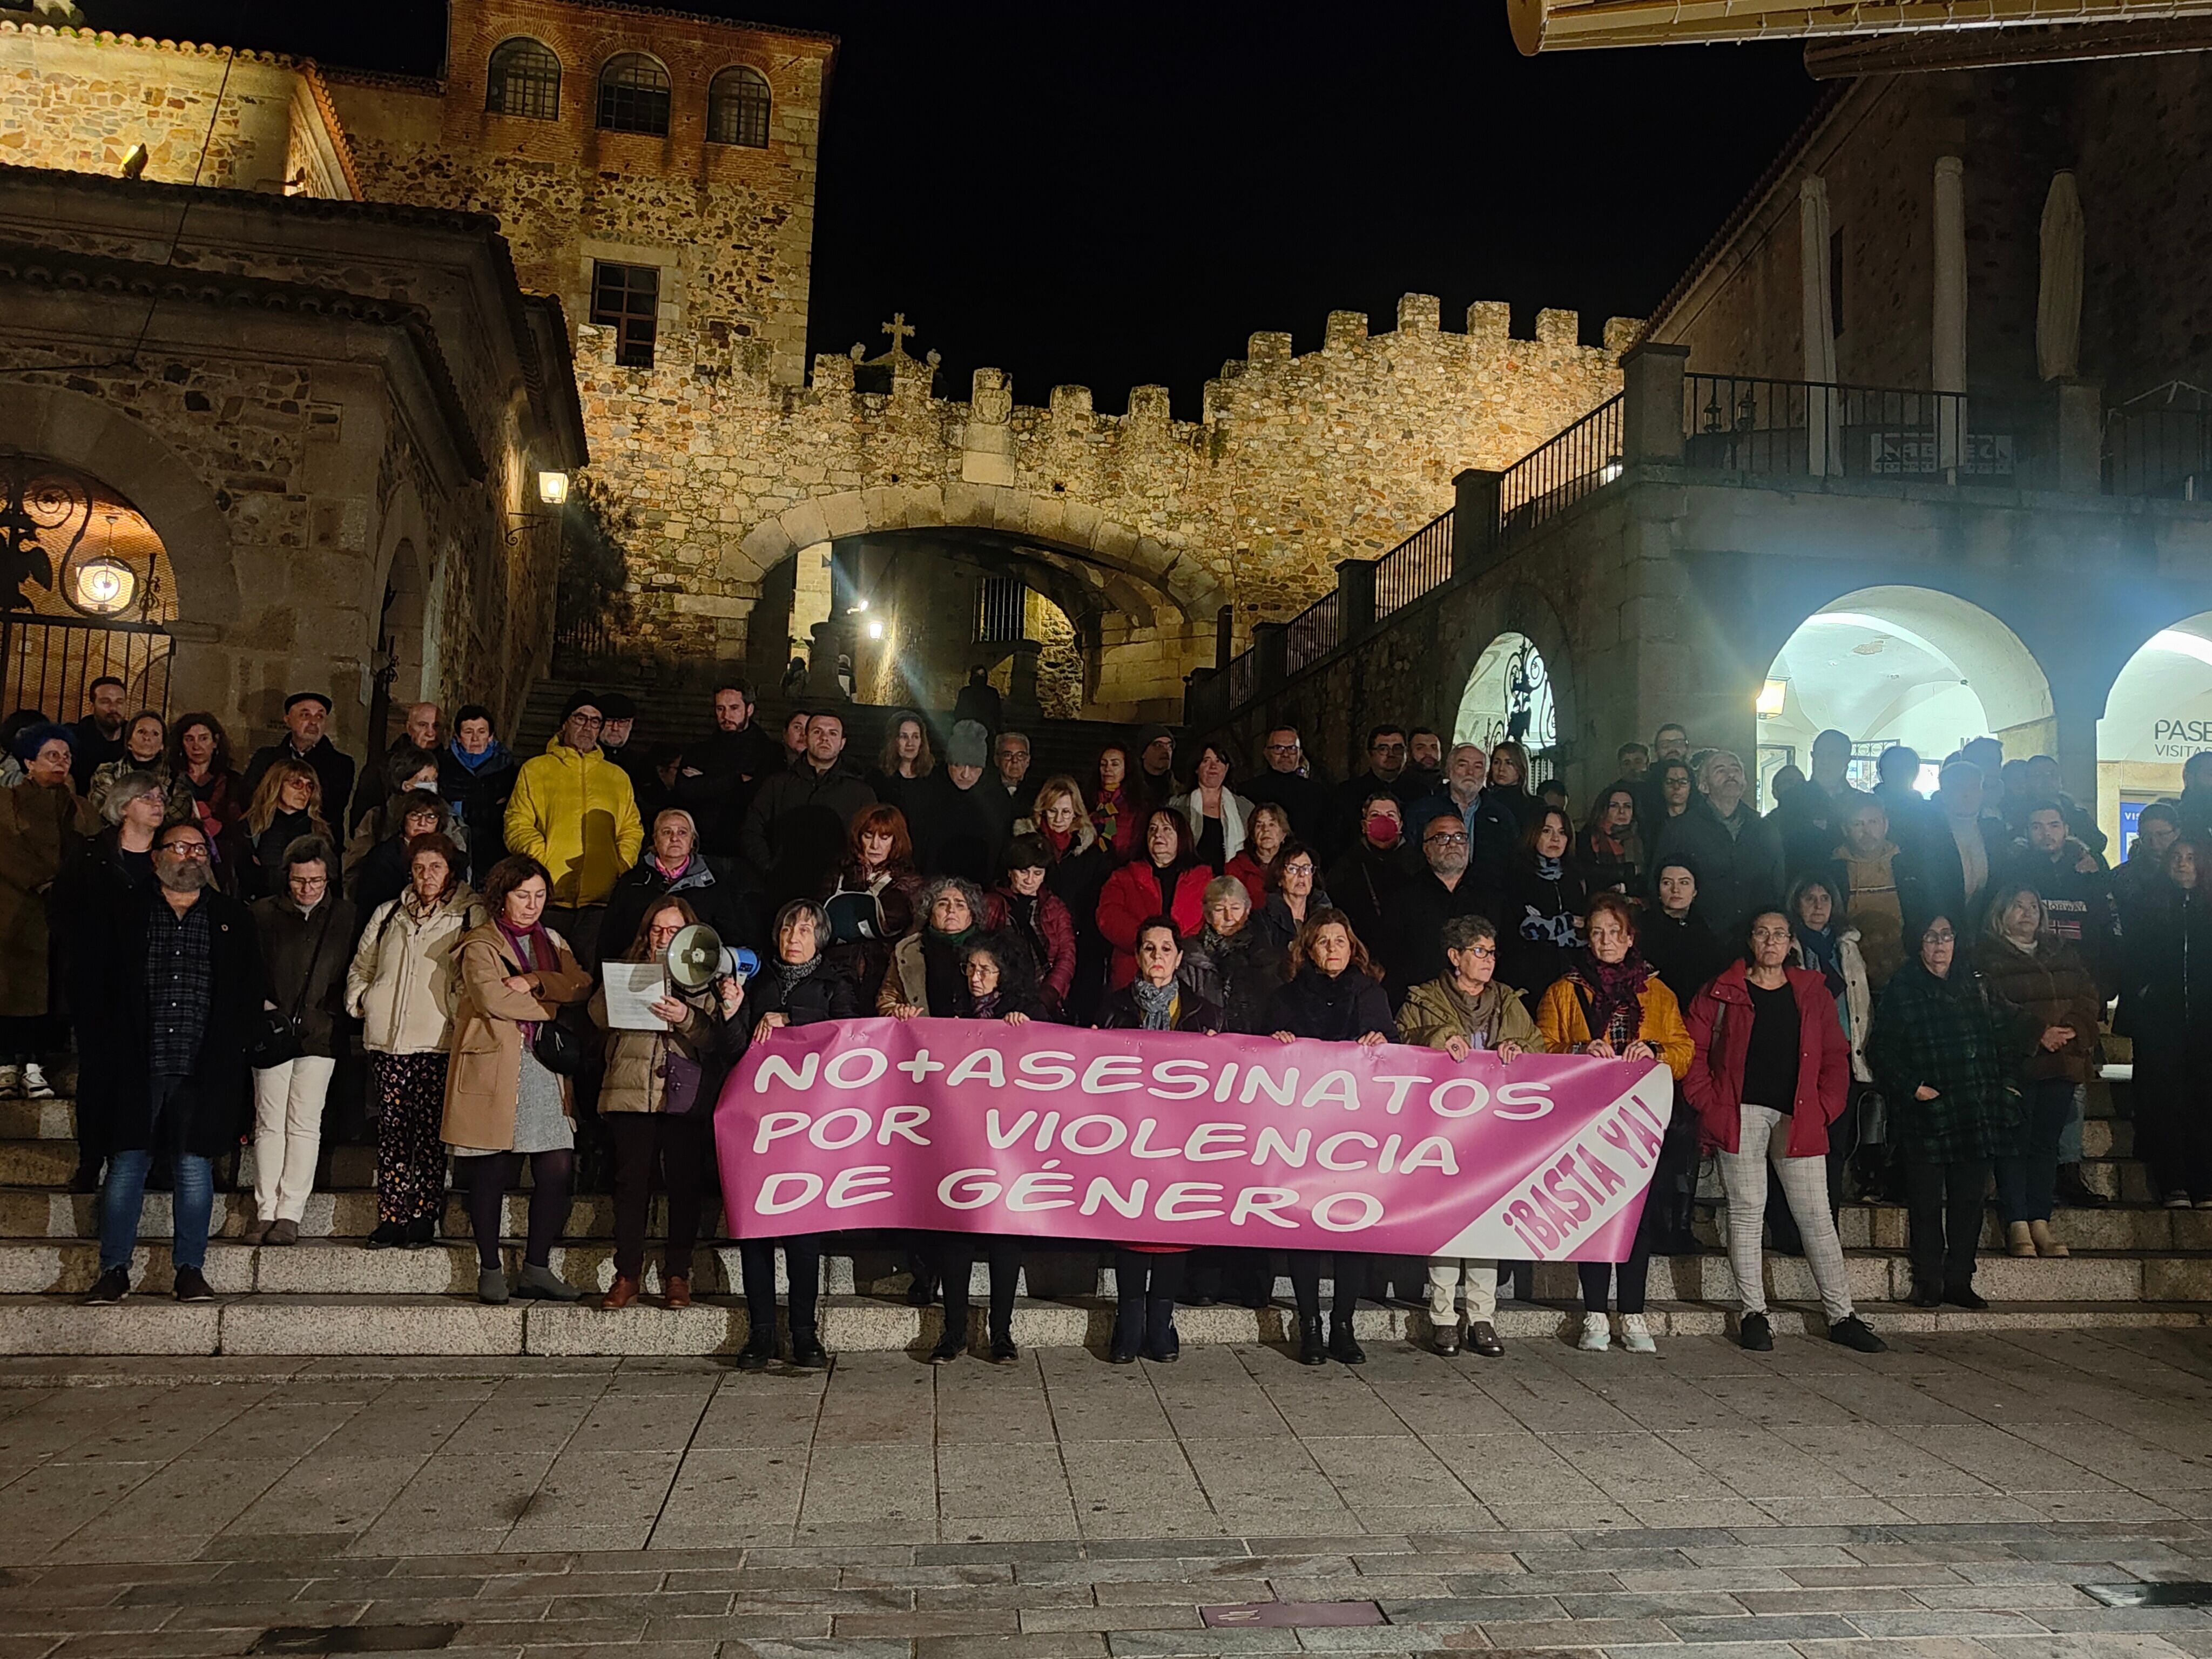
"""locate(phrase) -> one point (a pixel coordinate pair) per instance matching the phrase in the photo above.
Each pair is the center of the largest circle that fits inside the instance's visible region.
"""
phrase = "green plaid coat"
(1952, 1035)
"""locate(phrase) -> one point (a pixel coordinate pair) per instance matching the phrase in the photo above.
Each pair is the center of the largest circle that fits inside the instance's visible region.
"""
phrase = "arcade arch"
(2158, 713)
(1509, 695)
(1897, 665)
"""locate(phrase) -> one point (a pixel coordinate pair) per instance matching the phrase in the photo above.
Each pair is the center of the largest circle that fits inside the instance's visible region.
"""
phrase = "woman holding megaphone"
(799, 986)
(658, 1101)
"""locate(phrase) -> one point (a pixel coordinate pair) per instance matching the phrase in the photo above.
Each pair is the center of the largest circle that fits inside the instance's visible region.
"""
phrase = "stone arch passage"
(2158, 714)
(1897, 665)
(1509, 695)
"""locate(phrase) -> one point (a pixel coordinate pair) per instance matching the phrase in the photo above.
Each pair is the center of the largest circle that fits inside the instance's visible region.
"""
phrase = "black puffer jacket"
(1240, 975)
(825, 993)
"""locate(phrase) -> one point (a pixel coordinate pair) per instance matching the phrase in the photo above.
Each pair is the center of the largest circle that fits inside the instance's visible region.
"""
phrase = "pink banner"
(1172, 1138)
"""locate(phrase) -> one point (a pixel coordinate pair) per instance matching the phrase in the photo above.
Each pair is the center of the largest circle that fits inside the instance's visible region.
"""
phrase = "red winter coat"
(1131, 898)
(1056, 929)
(1715, 1082)
(1246, 869)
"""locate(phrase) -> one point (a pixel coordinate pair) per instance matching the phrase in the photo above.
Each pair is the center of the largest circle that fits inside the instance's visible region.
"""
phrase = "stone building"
(310, 428)
(717, 458)
(655, 172)
(1915, 450)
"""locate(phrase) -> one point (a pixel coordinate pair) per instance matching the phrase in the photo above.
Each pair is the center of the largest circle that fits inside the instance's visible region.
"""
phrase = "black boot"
(1312, 1351)
(1342, 1344)
(2073, 1190)
(1162, 1344)
(1128, 1331)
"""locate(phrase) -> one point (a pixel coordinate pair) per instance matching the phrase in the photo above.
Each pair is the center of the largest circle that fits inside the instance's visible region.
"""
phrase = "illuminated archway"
(2158, 713)
(1904, 666)
(1509, 695)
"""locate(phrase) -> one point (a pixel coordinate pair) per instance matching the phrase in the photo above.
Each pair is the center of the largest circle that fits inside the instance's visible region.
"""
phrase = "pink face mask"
(1383, 829)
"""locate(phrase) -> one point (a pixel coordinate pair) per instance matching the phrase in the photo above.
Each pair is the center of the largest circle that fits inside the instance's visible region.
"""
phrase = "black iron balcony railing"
(1555, 475)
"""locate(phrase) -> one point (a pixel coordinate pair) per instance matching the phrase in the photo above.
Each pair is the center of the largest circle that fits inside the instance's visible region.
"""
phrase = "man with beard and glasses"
(1414, 937)
(167, 998)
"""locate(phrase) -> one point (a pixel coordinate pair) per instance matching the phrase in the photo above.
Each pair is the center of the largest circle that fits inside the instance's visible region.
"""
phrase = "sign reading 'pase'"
(1174, 1137)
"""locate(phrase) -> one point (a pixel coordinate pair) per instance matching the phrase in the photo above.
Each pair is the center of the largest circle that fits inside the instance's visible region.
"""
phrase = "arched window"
(634, 95)
(736, 109)
(524, 80)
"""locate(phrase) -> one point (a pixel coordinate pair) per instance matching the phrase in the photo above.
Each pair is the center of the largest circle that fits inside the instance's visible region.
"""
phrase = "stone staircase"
(2134, 1264)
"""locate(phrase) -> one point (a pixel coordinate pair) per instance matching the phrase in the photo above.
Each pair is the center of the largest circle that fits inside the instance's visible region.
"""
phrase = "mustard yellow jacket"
(577, 816)
(1559, 1017)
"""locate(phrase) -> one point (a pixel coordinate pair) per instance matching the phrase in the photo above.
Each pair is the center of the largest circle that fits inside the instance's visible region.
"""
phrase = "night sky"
(1114, 195)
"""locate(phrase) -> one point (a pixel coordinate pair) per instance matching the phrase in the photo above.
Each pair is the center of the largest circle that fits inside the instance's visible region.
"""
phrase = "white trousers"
(288, 1134)
(1444, 1277)
(1763, 1133)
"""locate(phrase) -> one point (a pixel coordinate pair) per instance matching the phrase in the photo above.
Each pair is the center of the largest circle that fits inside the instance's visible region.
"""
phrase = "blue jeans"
(192, 1205)
(2026, 1176)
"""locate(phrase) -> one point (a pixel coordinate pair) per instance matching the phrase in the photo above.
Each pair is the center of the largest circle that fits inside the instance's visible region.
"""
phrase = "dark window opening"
(737, 109)
(634, 95)
(627, 299)
(524, 79)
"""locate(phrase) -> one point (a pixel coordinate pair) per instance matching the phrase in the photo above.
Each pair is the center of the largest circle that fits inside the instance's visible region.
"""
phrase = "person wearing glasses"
(1466, 1009)
(167, 997)
(1443, 891)
(574, 812)
(1946, 1053)
(306, 935)
(1288, 782)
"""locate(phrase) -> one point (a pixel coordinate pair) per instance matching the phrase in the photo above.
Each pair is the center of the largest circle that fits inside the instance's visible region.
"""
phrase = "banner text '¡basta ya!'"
(1103, 1126)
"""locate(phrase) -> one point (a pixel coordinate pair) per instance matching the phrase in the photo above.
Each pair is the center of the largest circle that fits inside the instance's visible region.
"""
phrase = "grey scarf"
(1155, 1003)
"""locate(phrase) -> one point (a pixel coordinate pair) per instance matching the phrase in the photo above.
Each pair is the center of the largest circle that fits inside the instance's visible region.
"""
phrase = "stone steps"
(2134, 1265)
(461, 1325)
(335, 1267)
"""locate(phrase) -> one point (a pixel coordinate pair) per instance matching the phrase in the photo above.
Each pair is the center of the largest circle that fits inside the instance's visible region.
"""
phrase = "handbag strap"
(315, 956)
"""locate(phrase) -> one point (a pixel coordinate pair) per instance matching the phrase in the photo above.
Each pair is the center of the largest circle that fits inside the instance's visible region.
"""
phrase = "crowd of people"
(1864, 992)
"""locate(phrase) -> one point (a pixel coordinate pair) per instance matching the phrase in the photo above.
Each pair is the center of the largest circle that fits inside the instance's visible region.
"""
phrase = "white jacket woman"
(402, 983)
(402, 987)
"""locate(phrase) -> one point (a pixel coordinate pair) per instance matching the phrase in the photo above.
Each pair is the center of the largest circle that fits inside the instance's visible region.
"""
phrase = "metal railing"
(1555, 475)
(1743, 424)
(1314, 632)
(1242, 680)
(583, 637)
(47, 662)
(1420, 564)
(2160, 451)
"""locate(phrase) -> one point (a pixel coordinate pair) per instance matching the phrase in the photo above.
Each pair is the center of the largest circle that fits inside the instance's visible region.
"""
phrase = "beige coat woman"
(486, 1072)
(404, 975)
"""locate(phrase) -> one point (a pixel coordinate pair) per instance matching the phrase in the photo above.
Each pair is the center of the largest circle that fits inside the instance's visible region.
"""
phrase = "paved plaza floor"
(1961, 1496)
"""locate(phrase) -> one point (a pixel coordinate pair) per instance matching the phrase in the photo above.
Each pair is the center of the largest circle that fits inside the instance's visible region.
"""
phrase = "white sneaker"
(1633, 1335)
(35, 1085)
(11, 1088)
(1597, 1334)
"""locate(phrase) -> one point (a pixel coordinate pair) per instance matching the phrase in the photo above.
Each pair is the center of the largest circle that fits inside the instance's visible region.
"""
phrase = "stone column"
(1270, 655)
(1475, 519)
(2058, 297)
(2081, 437)
(1355, 604)
(1023, 708)
(1651, 404)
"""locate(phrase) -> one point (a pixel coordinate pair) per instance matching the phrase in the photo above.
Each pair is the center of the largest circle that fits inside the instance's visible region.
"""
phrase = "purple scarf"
(1615, 991)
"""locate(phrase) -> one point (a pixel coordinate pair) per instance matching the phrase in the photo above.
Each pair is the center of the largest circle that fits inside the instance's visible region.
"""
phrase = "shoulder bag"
(277, 1040)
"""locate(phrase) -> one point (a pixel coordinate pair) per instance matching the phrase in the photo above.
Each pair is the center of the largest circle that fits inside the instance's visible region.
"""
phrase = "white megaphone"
(696, 957)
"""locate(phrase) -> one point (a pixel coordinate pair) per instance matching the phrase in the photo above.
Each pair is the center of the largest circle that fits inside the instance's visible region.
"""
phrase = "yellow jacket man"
(573, 810)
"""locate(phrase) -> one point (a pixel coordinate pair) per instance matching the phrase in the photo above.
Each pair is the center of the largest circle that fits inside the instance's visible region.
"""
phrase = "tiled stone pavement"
(1947, 1500)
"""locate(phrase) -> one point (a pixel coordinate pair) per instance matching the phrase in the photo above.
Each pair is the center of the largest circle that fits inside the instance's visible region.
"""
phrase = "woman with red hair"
(870, 897)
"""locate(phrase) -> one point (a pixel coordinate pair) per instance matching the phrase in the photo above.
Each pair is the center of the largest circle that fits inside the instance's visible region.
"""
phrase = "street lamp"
(103, 585)
(553, 487)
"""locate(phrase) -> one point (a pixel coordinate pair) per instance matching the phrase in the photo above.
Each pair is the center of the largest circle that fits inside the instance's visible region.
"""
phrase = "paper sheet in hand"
(632, 989)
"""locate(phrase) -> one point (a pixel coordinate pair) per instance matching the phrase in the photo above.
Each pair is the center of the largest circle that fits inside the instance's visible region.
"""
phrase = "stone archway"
(1068, 527)
(1904, 664)
(87, 433)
